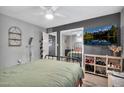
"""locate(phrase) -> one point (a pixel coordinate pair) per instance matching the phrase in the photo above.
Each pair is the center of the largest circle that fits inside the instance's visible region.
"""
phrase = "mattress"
(41, 73)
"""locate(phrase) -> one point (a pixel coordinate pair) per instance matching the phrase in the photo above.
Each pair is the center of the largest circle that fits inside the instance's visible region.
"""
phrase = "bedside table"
(115, 79)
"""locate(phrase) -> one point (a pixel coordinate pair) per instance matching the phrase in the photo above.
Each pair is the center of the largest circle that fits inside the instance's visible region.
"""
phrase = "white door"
(45, 44)
(54, 34)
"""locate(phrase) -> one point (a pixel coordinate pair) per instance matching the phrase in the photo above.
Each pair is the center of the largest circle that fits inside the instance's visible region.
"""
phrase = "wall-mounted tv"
(101, 35)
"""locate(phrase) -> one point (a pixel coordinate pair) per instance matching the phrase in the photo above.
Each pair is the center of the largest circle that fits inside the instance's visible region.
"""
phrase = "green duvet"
(42, 73)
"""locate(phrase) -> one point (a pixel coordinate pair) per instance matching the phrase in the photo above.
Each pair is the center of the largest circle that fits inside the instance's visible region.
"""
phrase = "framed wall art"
(14, 36)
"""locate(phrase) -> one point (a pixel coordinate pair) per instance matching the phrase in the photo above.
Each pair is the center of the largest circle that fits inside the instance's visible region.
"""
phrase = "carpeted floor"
(94, 81)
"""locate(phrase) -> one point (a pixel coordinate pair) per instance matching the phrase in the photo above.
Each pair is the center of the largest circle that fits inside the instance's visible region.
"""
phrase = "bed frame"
(63, 58)
(67, 59)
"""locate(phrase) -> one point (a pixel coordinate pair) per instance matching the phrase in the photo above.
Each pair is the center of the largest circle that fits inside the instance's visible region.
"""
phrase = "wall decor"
(115, 49)
(101, 35)
(14, 36)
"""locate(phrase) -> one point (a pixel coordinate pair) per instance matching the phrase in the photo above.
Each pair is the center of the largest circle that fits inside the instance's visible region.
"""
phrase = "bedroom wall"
(10, 55)
(122, 30)
(99, 21)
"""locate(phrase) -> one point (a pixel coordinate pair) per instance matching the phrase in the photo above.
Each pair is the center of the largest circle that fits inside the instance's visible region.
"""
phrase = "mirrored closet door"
(72, 43)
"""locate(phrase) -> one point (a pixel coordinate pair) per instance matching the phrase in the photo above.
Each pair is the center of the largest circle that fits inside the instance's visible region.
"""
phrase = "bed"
(42, 73)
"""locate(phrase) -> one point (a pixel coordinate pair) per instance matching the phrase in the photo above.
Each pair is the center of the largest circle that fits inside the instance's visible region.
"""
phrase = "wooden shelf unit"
(100, 64)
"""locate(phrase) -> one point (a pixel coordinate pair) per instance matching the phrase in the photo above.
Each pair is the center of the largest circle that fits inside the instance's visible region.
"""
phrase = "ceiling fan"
(50, 12)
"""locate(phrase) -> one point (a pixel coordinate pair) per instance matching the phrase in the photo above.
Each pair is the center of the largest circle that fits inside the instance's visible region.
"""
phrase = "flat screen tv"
(101, 35)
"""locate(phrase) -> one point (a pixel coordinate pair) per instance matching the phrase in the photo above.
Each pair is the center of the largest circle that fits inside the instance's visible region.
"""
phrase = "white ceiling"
(31, 14)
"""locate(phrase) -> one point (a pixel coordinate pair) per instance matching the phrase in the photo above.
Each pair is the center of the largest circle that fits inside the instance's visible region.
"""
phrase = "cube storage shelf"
(99, 64)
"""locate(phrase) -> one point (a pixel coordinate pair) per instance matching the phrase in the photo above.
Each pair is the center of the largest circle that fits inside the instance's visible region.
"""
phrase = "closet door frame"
(70, 30)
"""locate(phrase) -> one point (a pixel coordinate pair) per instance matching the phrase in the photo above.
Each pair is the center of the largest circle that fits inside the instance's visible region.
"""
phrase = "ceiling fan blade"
(54, 8)
(60, 15)
(43, 8)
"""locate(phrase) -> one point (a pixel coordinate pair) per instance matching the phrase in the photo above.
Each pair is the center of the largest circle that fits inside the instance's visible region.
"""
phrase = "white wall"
(10, 55)
(45, 44)
(122, 30)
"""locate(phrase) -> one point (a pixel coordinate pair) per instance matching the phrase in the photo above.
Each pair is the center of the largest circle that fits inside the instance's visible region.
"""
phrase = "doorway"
(53, 43)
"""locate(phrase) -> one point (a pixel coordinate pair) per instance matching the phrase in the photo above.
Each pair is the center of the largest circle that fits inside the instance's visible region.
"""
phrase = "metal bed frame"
(78, 55)
(63, 58)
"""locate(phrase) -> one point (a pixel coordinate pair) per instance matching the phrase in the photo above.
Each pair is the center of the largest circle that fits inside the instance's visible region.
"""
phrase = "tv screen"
(101, 35)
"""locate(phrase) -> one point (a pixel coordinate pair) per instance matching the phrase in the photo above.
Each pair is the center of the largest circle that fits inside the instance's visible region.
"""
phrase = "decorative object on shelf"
(115, 49)
(14, 36)
(114, 64)
(89, 68)
(89, 60)
(100, 61)
(100, 70)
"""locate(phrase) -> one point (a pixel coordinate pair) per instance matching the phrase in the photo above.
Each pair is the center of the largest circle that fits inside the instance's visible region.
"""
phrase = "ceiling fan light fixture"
(49, 16)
